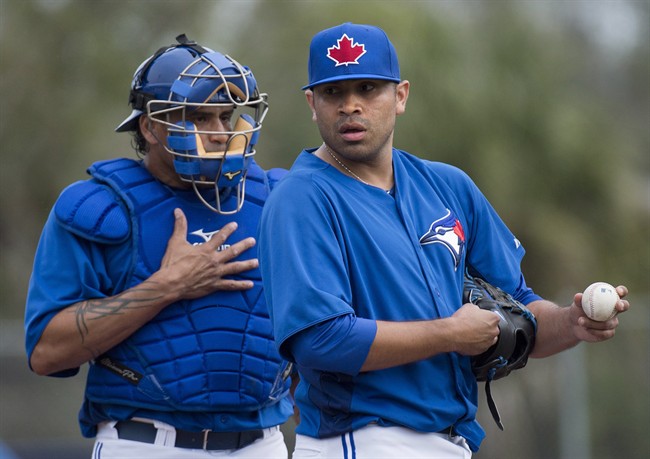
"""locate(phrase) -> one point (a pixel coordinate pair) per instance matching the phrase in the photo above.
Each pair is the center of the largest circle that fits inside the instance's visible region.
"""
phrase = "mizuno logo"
(449, 232)
(206, 237)
(231, 175)
(203, 235)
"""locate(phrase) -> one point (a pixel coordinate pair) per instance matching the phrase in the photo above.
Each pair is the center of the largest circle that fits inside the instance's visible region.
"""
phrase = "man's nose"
(350, 103)
(218, 132)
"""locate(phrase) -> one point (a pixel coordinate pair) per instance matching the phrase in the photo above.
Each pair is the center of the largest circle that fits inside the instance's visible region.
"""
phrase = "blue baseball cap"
(349, 52)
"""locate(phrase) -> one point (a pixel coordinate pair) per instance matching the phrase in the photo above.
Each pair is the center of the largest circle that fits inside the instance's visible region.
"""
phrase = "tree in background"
(540, 106)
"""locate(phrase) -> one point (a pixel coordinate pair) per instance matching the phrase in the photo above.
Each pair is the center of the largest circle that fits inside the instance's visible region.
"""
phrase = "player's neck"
(370, 176)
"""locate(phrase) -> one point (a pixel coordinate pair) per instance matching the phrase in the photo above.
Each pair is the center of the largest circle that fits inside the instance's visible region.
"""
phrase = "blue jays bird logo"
(449, 232)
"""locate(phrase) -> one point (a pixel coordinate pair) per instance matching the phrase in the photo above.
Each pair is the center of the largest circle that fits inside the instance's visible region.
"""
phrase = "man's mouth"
(352, 132)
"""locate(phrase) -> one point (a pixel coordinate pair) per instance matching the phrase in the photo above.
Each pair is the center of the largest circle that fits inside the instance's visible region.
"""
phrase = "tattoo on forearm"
(135, 298)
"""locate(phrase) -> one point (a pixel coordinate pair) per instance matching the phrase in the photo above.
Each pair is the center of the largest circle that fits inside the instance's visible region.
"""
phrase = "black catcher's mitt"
(517, 329)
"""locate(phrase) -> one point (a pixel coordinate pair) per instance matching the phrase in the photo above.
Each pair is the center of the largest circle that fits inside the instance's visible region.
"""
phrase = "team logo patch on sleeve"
(346, 51)
(449, 232)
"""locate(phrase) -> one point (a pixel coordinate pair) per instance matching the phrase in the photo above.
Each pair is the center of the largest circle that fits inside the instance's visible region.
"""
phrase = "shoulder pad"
(92, 211)
(260, 182)
(270, 177)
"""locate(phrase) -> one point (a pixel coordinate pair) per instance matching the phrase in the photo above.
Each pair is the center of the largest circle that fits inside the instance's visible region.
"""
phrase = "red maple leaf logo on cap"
(345, 51)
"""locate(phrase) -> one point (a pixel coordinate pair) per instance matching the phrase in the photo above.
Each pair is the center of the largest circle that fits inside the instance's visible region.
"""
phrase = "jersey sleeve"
(301, 261)
(67, 269)
(339, 345)
(525, 294)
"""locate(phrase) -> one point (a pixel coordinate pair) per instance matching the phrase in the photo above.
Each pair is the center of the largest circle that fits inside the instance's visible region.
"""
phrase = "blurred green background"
(546, 104)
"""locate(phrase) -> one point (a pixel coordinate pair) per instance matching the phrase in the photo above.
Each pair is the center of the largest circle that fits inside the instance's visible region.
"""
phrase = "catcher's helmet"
(182, 78)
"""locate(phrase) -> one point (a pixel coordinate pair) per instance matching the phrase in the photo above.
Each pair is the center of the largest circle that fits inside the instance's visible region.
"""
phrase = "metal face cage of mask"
(206, 79)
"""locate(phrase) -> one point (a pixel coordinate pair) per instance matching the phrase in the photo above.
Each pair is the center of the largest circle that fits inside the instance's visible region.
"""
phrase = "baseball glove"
(517, 329)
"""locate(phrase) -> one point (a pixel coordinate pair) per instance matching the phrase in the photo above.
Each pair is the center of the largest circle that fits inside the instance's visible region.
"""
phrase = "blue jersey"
(331, 246)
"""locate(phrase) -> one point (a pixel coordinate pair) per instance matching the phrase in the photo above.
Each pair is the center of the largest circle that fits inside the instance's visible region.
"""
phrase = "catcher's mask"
(181, 80)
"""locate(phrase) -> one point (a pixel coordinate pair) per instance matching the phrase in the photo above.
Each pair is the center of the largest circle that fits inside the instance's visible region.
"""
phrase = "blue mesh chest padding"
(210, 354)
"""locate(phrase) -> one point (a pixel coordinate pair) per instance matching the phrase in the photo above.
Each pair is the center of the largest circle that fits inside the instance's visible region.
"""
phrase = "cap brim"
(355, 76)
(131, 123)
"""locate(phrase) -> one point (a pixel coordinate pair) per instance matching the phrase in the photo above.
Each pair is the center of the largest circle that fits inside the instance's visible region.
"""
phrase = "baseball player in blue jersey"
(147, 271)
(365, 279)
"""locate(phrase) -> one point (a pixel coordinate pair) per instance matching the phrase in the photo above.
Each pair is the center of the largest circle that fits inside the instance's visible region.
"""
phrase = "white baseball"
(599, 301)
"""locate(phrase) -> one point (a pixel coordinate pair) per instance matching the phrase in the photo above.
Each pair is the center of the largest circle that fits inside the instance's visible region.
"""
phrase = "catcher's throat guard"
(223, 169)
(517, 330)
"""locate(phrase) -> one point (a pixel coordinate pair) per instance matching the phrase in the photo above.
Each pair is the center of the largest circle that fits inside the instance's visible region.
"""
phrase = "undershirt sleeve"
(339, 345)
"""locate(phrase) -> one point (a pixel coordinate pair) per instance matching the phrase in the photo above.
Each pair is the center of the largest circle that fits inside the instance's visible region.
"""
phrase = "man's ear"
(402, 94)
(146, 128)
(309, 94)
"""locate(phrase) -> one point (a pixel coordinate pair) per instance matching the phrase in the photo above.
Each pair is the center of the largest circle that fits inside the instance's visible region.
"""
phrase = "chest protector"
(214, 353)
